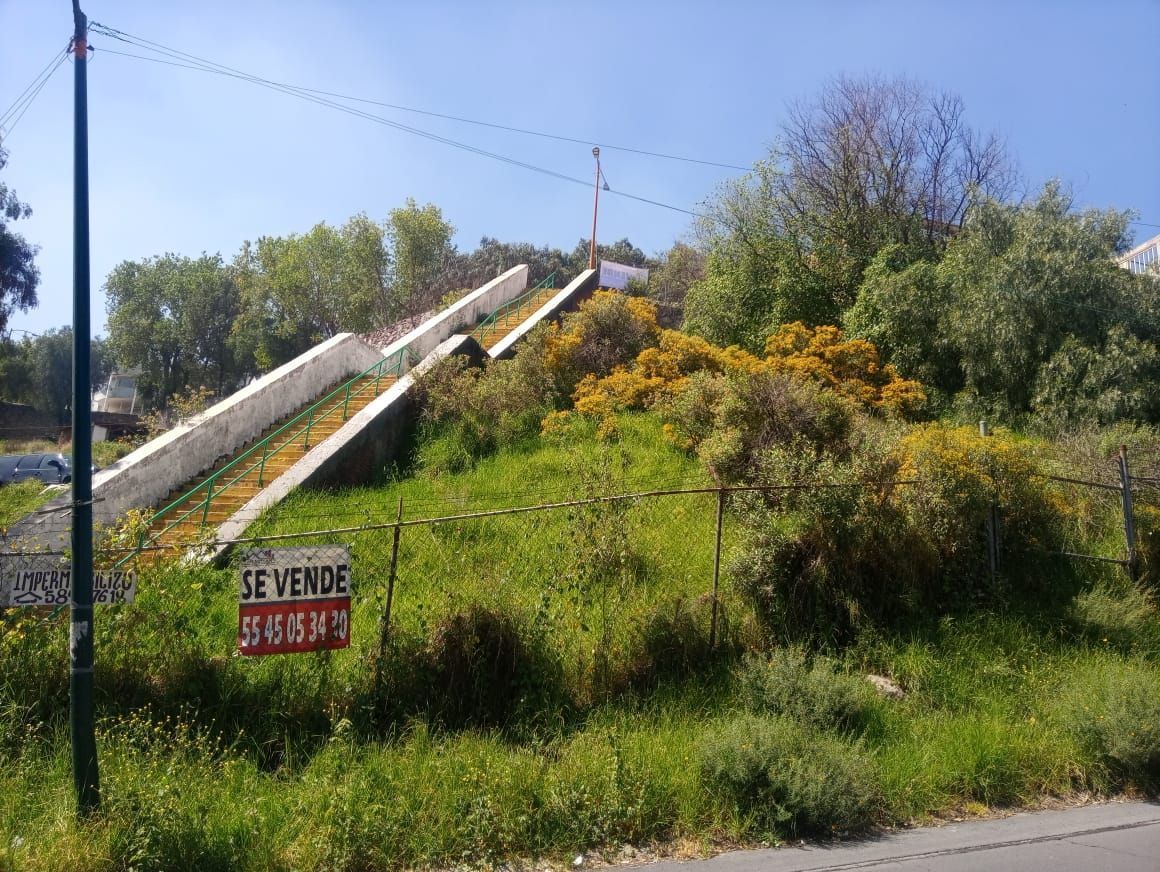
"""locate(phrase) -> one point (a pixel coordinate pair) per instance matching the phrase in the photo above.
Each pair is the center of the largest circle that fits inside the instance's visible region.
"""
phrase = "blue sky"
(186, 162)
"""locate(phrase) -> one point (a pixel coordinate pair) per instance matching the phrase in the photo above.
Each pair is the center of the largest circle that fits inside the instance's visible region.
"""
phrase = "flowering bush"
(661, 373)
(850, 367)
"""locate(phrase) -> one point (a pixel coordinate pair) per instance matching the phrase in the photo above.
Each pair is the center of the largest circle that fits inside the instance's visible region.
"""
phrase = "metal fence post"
(386, 626)
(385, 620)
(1126, 503)
(992, 521)
(717, 567)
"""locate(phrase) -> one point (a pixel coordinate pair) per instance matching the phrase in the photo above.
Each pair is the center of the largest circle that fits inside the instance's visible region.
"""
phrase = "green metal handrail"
(389, 366)
(487, 326)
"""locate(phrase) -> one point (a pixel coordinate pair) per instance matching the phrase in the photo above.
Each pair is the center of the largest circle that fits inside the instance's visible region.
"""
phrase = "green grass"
(17, 500)
(214, 761)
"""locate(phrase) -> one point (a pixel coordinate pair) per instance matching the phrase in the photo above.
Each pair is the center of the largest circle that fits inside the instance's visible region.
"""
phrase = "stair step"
(239, 484)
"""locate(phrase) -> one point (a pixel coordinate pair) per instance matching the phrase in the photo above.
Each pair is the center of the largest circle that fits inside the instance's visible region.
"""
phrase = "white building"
(1142, 258)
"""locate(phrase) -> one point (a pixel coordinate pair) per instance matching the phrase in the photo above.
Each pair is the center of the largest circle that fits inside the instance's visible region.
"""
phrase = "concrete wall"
(365, 444)
(148, 474)
(578, 290)
(463, 315)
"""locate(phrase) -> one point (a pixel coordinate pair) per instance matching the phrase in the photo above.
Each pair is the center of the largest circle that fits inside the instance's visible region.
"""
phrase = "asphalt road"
(1116, 837)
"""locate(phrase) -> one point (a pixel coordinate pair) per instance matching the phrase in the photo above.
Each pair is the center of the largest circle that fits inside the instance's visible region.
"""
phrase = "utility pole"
(84, 740)
(595, 206)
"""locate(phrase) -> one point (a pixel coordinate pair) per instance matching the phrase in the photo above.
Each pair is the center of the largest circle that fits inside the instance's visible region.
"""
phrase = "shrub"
(819, 357)
(672, 641)
(482, 669)
(958, 475)
(788, 780)
(811, 691)
(850, 367)
(607, 330)
(1113, 709)
(470, 411)
(731, 420)
(822, 561)
(1119, 613)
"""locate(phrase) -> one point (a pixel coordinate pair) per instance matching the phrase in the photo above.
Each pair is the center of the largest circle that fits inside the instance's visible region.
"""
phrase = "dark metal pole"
(84, 741)
(391, 577)
(1126, 502)
(385, 620)
(717, 568)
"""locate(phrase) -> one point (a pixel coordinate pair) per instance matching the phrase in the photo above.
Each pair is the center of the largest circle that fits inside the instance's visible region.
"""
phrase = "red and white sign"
(294, 599)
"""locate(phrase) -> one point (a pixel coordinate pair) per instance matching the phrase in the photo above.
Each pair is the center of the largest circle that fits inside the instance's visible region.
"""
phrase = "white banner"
(617, 275)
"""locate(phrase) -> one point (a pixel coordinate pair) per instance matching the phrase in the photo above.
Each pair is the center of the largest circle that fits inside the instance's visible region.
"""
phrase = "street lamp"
(595, 206)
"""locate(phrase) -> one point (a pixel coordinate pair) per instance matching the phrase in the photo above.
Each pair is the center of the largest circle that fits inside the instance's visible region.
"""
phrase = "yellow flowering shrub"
(608, 329)
(958, 475)
(850, 367)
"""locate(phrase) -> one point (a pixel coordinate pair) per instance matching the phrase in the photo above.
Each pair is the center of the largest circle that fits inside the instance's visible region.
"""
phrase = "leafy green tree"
(1026, 312)
(1022, 280)
(902, 308)
(1081, 384)
(419, 241)
(621, 251)
(870, 162)
(37, 371)
(492, 258)
(172, 316)
(19, 276)
(299, 290)
(680, 268)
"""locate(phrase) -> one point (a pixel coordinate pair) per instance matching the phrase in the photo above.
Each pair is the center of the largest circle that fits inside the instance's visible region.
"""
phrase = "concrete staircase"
(238, 478)
(510, 316)
(199, 507)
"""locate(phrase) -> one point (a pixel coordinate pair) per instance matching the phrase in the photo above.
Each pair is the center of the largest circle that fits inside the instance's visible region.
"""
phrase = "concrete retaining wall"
(463, 315)
(578, 290)
(147, 475)
(365, 444)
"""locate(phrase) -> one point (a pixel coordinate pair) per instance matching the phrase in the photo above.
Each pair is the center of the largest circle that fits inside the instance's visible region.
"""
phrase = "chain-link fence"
(615, 588)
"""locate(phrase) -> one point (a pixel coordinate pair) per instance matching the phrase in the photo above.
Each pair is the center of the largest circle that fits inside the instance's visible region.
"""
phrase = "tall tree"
(870, 162)
(680, 268)
(37, 371)
(419, 241)
(470, 270)
(1026, 312)
(19, 276)
(172, 316)
(299, 290)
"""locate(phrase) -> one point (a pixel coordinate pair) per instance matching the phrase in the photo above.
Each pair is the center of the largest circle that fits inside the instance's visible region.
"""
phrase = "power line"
(15, 112)
(183, 59)
(448, 117)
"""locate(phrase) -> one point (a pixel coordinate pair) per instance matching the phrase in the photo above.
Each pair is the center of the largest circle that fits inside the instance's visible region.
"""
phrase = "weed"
(1113, 710)
(811, 691)
(788, 780)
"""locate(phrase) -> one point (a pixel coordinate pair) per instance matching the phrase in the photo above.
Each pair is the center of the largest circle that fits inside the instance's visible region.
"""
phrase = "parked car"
(48, 468)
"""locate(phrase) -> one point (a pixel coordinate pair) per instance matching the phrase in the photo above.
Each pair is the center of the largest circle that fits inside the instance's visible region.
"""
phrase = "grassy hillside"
(524, 708)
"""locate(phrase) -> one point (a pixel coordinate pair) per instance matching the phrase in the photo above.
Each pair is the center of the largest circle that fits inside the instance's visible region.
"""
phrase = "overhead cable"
(183, 59)
(449, 117)
(15, 112)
